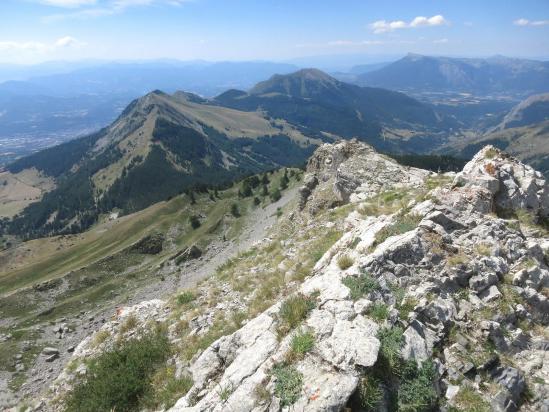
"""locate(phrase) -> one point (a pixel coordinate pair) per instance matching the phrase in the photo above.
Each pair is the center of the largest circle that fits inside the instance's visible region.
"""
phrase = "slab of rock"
(50, 351)
(351, 343)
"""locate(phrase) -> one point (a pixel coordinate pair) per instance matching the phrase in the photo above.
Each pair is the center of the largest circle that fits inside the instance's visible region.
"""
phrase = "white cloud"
(526, 22)
(384, 26)
(40, 47)
(67, 41)
(440, 41)
(107, 8)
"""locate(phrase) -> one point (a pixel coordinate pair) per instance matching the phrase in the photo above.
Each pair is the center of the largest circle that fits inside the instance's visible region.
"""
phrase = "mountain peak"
(304, 83)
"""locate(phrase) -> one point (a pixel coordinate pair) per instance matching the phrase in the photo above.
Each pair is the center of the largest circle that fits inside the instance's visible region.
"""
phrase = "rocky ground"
(383, 288)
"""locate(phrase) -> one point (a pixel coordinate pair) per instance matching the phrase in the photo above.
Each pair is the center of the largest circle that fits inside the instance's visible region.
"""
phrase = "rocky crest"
(434, 297)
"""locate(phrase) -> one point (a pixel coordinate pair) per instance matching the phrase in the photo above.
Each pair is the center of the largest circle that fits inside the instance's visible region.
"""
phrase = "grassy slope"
(97, 270)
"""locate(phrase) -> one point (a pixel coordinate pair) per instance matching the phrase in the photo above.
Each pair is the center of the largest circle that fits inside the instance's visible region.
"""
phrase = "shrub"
(293, 311)
(194, 221)
(390, 340)
(121, 378)
(275, 195)
(261, 394)
(289, 382)
(185, 297)
(345, 262)
(256, 201)
(416, 391)
(360, 286)
(234, 210)
(378, 311)
(301, 343)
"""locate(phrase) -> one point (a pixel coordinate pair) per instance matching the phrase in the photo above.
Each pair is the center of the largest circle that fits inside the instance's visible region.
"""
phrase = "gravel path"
(42, 373)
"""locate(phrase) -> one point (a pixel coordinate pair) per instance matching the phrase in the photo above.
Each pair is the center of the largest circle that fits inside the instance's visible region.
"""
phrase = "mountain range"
(164, 144)
(495, 75)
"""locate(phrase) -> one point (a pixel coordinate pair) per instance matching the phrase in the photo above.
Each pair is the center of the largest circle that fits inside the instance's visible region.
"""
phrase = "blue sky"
(40, 30)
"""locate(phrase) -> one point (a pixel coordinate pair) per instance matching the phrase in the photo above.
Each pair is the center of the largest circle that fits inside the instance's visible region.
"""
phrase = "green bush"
(185, 297)
(379, 311)
(121, 378)
(275, 194)
(293, 311)
(360, 286)
(301, 343)
(194, 221)
(416, 391)
(289, 382)
(234, 210)
(391, 340)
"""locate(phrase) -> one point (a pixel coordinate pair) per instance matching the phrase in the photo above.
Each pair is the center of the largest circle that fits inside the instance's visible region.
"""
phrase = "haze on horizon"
(33, 31)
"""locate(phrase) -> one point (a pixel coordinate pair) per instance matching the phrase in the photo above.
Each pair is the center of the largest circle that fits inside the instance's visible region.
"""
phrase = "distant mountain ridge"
(534, 109)
(491, 75)
(322, 104)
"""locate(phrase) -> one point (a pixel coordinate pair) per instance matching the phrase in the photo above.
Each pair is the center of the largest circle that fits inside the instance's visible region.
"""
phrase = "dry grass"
(457, 259)
(345, 262)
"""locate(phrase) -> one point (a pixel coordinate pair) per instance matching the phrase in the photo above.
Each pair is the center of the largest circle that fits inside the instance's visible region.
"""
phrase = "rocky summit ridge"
(434, 297)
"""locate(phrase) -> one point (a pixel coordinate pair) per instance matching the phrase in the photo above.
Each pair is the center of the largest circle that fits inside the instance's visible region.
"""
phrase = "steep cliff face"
(434, 297)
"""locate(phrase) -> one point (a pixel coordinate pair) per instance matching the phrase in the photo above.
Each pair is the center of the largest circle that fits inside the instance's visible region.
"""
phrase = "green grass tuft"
(379, 311)
(369, 393)
(361, 286)
(289, 382)
(301, 343)
(293, 311)
(416, 391)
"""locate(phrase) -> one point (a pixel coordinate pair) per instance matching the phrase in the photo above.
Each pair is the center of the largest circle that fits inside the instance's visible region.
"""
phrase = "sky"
(34, 31)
